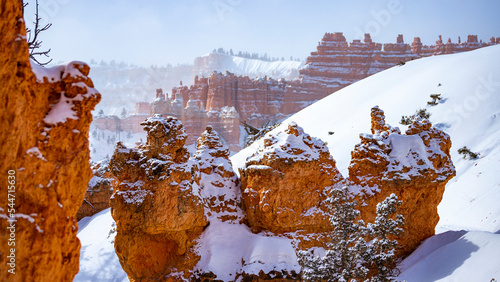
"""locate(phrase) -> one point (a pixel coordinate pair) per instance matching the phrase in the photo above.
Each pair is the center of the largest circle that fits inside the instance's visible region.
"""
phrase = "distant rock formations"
(224, 100)
(45, 117)
(164, 199)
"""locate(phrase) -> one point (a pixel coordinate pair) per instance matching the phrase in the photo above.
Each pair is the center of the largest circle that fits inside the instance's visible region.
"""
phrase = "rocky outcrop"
(156, 205)
(219, 185)
(224, 100)
(99, 191)
(45, 118)
(286, 181)
(415, 166)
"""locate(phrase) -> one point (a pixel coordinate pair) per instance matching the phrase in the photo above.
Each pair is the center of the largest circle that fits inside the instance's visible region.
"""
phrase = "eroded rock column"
(286, 182)
(156, 204)
(415, 166)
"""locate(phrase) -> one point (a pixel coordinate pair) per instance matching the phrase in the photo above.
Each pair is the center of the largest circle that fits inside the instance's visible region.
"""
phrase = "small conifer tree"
(381, 253)
(343, 258)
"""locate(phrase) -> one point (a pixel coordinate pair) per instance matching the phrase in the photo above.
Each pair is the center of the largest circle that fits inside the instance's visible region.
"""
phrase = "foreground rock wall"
(45, 119)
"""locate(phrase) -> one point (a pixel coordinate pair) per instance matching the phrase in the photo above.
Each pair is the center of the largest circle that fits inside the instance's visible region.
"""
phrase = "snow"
(61, 111)
(98, 260)
(249, 67)
(455, 256)
(467, 245)
(286, 145)
(232, 248)
(35, 151)
(470, 84)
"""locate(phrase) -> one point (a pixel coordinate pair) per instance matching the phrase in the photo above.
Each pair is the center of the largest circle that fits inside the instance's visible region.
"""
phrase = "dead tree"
(34, 43)
(254, 133)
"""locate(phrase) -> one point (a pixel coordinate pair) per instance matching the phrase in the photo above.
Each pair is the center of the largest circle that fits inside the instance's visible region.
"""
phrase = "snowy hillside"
(468, 243)
(470, 113)
(244, 66)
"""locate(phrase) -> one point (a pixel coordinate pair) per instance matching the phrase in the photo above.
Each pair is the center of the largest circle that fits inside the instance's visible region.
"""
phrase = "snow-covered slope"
(470, 113)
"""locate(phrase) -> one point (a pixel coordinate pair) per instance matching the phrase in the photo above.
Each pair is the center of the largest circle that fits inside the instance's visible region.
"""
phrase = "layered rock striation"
(415, 166)
(45, 120)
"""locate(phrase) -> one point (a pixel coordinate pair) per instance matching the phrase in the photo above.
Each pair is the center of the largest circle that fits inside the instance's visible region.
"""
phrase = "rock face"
(45, 120)
(415, 166)
(223, 100)
(156, 205)
(98, 192)
(219, 185)
(286, 182)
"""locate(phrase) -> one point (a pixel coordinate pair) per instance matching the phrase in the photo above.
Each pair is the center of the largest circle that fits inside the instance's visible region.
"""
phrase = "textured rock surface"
(156, 204)
(45, 118)
(415, 167)
(98, 192)
(219, 185)
(286, 182)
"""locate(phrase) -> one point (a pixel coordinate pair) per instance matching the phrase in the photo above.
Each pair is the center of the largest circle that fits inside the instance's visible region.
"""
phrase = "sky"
(158, 32)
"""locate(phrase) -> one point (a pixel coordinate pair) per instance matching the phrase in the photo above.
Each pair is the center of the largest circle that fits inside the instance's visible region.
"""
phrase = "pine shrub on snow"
(354, 249)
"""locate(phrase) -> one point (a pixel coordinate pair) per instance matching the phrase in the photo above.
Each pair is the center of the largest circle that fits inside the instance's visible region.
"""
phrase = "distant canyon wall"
(225, 100)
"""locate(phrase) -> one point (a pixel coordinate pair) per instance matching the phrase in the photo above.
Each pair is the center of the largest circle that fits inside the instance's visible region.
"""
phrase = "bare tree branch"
(33, 43)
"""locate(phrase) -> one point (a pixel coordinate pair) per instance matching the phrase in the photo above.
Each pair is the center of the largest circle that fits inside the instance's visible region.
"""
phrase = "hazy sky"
(176, 31)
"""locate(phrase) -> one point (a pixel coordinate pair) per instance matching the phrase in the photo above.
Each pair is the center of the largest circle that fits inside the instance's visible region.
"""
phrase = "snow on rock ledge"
(286, 182)
(415, 166)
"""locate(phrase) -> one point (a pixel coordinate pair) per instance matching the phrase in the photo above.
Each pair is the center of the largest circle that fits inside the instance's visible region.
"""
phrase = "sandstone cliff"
(45, 119)
(156, 205)
(415, 166)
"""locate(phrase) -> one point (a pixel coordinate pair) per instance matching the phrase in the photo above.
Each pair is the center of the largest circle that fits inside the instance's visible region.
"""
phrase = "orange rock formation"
(98, 192)
(156, 205)
(45, 120)
(415, 167)
(219, 185)
(286, 182)
(163, 201)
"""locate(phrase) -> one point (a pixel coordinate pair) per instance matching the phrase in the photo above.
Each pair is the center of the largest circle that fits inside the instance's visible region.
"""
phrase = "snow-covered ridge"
(243, 66)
